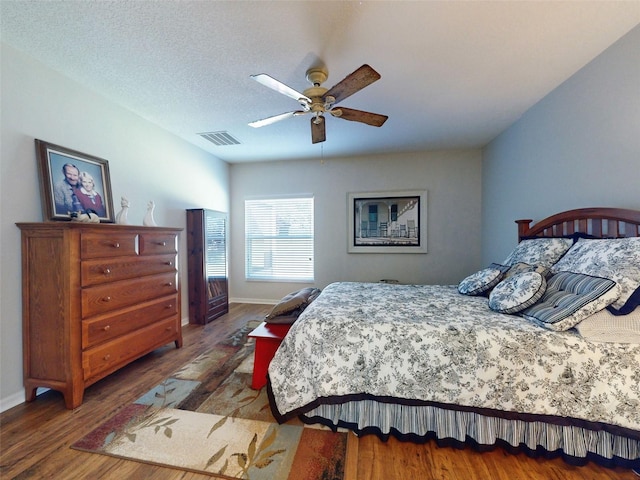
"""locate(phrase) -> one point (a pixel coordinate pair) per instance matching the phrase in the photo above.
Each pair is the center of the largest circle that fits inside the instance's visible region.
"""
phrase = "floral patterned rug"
(205, 418)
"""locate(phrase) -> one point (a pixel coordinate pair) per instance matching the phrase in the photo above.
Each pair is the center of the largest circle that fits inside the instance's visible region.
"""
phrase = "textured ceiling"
(454, 74)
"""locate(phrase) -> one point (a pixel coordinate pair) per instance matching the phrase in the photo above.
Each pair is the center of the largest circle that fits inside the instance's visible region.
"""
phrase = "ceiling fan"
(317, 100)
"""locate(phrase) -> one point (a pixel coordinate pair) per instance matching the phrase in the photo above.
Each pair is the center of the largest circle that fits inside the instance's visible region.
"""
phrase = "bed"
(545, 360)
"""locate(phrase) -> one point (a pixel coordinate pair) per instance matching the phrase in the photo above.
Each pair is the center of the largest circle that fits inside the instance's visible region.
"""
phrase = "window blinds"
(279, 239)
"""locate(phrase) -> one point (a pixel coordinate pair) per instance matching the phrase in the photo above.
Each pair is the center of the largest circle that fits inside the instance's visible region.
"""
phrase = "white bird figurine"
(148, 220)
(121, 217)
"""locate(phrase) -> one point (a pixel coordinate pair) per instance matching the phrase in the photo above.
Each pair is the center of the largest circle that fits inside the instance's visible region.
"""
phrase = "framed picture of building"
(388, 222)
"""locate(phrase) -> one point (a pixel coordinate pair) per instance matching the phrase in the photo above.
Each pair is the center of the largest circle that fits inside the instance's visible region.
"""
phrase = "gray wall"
(146, 163)
(453, 182)
(578, 147)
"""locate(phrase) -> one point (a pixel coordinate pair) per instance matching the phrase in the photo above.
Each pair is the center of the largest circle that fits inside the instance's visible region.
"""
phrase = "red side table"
(268, 338)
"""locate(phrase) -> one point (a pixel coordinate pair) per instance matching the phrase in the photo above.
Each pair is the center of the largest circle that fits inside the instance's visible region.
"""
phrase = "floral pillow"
(617, 259)
(525, 267)
(517, 292)
(539, 251)
(570, 298)
(482, 281)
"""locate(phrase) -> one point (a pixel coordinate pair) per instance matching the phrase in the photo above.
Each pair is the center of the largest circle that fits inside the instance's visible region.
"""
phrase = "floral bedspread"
(430, 343)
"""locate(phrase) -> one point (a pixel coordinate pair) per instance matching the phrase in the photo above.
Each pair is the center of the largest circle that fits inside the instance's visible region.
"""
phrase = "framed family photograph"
(72, 182)
(388, 222)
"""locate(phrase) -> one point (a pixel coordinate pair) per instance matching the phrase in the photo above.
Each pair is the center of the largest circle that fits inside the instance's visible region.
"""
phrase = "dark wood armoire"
(207, 265)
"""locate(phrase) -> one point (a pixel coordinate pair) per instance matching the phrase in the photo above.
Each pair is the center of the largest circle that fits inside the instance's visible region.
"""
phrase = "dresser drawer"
(112, 296)
(112, 355)
(106, 327)
(119, 268)
(112, 244)
(158, 243)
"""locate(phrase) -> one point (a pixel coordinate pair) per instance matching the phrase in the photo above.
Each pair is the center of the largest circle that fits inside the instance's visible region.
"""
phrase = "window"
(279, 239)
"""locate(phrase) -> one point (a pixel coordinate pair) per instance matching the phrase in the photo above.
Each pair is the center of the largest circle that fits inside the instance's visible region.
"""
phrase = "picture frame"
(57, 167)
(387, 222)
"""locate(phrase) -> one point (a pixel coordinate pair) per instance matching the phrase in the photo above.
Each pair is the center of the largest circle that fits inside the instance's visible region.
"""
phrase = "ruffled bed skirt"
(575, 444)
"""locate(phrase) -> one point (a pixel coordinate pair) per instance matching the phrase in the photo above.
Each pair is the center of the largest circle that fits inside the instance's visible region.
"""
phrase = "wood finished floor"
(35, 437)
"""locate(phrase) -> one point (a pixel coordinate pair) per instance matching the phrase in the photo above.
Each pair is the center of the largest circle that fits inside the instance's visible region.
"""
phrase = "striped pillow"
(571, 297)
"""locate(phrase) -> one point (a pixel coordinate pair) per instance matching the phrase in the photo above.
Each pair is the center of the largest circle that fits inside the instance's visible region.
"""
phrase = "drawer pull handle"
(106, 299)
(106, 328)
(116, 245)
(169, 284)
(107, 271)
(170, 306)
(162, 244)
(170, 263)
(107, 357)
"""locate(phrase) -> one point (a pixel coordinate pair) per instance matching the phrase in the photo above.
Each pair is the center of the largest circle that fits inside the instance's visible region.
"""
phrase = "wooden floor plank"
(35, 438)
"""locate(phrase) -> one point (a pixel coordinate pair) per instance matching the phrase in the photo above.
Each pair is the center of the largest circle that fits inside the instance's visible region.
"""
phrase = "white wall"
(145, 162)
(578, 147)
(452, 179)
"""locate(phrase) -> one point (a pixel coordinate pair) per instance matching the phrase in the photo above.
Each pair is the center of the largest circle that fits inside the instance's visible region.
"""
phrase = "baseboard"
(260, 301)
(11, 401)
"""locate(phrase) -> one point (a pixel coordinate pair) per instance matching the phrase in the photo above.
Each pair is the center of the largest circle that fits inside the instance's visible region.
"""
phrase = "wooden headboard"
(599, 222)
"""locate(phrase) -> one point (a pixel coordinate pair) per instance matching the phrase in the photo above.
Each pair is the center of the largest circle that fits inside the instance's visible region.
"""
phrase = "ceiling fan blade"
(352, 83)
(275, 118)
(318, 132)
(369, 118)
(278, 86)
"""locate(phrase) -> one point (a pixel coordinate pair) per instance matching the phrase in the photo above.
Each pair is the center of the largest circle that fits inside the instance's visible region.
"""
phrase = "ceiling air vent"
(220, 138)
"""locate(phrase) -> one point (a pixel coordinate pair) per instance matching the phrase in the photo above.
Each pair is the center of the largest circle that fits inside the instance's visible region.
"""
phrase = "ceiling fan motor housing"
(317, 75)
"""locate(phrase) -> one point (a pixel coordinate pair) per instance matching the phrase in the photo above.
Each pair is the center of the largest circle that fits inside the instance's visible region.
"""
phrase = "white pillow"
(606, 327)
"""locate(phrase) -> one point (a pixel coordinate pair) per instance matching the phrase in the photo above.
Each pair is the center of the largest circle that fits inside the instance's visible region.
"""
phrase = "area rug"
(205, 418)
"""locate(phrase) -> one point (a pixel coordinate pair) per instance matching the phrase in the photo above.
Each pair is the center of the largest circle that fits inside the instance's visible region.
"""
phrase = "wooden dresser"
(94, 298)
